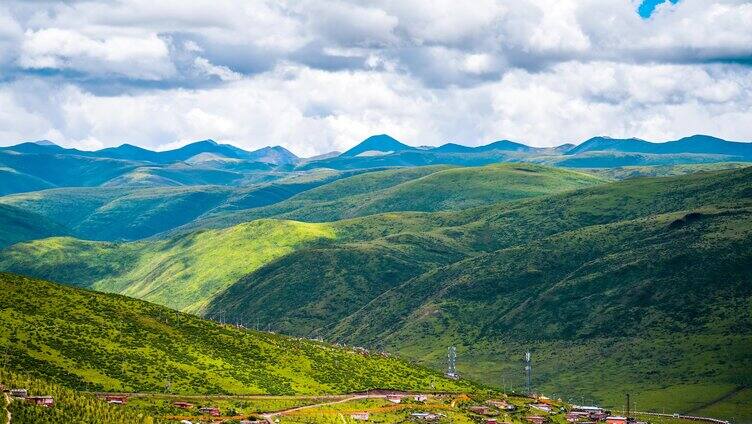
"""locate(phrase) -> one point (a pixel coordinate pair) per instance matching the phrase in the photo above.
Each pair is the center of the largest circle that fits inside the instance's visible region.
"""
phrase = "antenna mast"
(452, 363)
(528, 372)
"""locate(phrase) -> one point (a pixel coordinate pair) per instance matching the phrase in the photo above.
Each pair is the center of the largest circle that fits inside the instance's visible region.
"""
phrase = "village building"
(360, 416)
(420, 398)
(116, 399)
(46, 401)
(394, 398)
(576, 416)
(502, 404)
(213, 411)
(426, 416)
(183, 405)
(535, 419)
(481, 410)
(595, 413)
(542, 407)
(616, 420)
(19, 393)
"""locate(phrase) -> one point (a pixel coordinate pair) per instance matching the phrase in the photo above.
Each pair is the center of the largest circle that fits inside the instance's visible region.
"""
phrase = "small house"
(394, 398)
(211, 410)
(116, 399)
(19, 393)
(481, 410)
(426, 416)
(502, 404)
(420, 398)
(360, 416)
(576, 416)
(46, 401)
(535, 419)
(616, 420)
(542, 407)
(182, 405)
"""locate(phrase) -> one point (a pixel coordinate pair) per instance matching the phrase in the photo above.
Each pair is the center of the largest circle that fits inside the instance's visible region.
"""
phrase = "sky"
(317, 76)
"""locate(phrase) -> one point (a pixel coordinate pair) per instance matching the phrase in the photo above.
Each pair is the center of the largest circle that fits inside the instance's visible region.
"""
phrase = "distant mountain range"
(42, 164)
(276, 155)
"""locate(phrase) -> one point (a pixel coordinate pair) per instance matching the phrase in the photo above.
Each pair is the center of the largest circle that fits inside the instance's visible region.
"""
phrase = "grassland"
(184, 272)
(21, 225)
(624, 172)
(643, 282)
(70, 405)
(423, 189)
(95, 341)
(134, 212)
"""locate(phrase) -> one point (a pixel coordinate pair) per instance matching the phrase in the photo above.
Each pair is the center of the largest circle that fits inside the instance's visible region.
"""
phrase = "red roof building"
(46, 401)
(213, 411)
(616, 420)
(183, 405)
(535, 419)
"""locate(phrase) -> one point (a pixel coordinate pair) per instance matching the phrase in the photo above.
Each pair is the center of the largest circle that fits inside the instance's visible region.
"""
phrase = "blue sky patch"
(647, 7)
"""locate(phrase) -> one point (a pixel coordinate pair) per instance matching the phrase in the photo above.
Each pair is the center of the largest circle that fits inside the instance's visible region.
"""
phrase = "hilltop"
(128, 213)
(186, 270)
(604, 280)
(103, 342)
(420, 189)
(31, 166)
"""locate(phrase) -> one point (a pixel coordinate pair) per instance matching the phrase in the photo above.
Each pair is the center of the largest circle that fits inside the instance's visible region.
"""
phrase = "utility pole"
(452, 363)
(528, 372)
(627, 407)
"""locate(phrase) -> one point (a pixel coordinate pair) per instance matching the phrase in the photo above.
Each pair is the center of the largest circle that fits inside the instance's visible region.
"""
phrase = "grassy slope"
(19, 225)
(183, 272)
(12, 181)
(186, 271)
(67, 170)
(621, 173)
(128, 213)
(381, 252)
(657, 304)
(97, 341)
(605, 225)
(424, 189)
(70, 405)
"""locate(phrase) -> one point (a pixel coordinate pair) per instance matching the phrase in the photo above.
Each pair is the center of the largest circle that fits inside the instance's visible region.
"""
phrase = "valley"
(617, 278)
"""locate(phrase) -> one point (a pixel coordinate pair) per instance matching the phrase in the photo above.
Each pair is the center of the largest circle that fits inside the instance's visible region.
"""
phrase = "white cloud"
(314, 111)
(222, 72)
(144, 57)
(317, 76)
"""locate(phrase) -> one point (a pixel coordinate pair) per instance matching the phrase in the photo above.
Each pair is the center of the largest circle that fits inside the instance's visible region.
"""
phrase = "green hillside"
(95, 341)
(70, 405)
(129, 213)
(621, 173)
(183, 272)
(423, 189)
(20, 225)
(643, 282)
(18, 182)
(187, 270)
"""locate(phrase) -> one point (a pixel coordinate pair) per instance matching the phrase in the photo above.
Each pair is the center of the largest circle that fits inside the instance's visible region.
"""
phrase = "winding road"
(269, 416)
(8, 416)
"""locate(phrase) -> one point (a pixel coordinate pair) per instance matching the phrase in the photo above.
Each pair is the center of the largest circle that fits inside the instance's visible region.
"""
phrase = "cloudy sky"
(316, 76)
